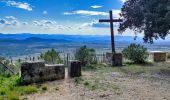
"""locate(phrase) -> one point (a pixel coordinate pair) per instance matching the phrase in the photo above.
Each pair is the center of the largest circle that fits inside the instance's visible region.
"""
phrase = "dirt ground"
(107, 85)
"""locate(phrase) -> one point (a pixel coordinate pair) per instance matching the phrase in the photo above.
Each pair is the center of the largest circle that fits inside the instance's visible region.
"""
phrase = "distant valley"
(26, 44)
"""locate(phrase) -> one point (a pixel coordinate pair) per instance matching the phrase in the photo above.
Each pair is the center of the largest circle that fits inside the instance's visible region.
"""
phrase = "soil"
(97, 85)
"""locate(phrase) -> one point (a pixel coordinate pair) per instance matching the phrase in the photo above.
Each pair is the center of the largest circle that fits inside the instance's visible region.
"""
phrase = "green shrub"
(86, 83)
(94, 87)
(44, 87)
(57, 88)
(136, 53)
(51, 57)
(2, 91)
(168, 56)
(86, 55)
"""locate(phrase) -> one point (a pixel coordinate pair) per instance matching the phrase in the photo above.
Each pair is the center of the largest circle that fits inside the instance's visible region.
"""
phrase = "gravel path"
(106, 86)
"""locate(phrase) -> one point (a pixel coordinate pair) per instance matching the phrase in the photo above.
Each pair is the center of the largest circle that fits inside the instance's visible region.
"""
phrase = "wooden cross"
(111, 20)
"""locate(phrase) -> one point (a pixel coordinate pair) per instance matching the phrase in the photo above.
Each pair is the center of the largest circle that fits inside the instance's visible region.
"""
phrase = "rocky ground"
(108, 83)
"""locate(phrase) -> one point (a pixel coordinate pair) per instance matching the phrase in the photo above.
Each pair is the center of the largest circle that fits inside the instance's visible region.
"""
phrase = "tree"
(51, 56)
(136, 53)
(149, 16)
(85, 55)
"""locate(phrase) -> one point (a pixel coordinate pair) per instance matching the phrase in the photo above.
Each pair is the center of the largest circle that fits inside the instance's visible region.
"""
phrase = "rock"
(32, 72)
(74, 68)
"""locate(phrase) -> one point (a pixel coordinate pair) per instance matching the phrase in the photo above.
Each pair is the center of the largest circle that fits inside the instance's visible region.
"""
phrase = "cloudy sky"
(57, 16)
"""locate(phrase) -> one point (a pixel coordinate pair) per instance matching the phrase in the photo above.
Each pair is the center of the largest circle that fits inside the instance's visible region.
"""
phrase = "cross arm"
(114, 20)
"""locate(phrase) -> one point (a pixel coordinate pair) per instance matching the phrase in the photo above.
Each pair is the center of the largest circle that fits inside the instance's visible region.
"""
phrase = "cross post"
(111, 20)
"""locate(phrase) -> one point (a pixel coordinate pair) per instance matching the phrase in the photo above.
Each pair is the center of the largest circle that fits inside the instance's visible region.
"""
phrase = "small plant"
(94, 87)
(44, 87)
(57, 88)
(78, 80)
(136, 53)
(86, 83)
(168, 56)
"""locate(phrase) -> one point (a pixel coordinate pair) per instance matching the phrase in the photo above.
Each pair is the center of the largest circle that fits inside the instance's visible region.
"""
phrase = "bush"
(44, 87)
(86, 55)
(168, 56)
(51, 57)
(136, 53)
(57, 88)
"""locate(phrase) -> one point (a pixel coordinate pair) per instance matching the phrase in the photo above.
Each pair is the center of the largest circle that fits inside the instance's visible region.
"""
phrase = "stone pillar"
(114, 59)
(74, 68)
(32, 72)
(159, 56)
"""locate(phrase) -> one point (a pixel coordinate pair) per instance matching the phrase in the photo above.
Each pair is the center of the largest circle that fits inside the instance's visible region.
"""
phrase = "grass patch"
(94, 87)
(78, 80)
(13, 95)
(27, 89)
(11, 89)
(3, 91)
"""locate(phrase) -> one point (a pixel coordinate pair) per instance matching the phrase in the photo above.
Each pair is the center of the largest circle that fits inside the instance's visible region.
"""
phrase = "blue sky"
(57, 16)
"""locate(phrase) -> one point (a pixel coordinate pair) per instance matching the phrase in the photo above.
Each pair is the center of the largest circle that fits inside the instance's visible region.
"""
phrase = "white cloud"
(123, 1)
(3, 21)
(116, 13)
(21, 5)
(94, 13)
(95, 6)
(24, 23)
(11, 21)
(96, 24)
(10, 17)
(49, 25)
(86, 13)
(45, 12)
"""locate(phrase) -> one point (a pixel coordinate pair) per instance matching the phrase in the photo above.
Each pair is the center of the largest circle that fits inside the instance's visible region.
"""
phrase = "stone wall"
(32, 72)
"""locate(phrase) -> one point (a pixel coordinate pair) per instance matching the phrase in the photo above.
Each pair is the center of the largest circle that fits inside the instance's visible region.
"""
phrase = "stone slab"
(32, 72)
(159, 56)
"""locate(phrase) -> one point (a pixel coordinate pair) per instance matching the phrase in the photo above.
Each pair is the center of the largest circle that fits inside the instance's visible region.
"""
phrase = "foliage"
(150, 16)
(86, 55)
(10, 87)
(57, 88)
(44, 87)
(168, 56)
(13, 95)
(136, 53)
(51, 57)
